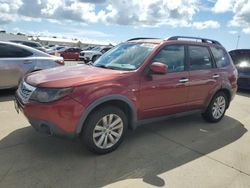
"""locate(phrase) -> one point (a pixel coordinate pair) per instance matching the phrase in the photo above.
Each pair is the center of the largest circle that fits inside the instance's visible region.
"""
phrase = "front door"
(165, 94)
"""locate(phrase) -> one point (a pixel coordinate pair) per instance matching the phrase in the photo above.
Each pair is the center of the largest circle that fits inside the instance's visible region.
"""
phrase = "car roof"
(33, 50)
(178, 40)
(240, 50)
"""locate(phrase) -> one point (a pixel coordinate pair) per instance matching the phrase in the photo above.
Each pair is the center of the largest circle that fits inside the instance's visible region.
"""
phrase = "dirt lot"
(183, 152)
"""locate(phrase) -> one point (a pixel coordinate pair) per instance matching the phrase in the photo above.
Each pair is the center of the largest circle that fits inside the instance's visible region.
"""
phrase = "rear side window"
(173, 56)
(220, 57)
(70, 50)
(199, 58)
(9, 51)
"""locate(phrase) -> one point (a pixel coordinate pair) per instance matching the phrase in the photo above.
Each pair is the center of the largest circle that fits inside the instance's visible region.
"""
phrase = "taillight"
(60, 62)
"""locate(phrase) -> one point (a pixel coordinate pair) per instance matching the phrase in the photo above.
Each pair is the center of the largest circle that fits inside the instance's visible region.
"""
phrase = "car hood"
(71, 76)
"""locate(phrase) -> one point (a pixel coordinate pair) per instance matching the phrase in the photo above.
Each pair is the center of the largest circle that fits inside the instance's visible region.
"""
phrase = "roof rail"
(203, 40)
(140, 38)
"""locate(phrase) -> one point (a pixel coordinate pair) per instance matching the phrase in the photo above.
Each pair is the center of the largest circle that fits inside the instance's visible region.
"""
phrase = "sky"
(227, 21)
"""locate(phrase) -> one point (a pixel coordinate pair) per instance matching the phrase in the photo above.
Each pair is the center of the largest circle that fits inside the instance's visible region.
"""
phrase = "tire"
(217, 108)
(101, 143)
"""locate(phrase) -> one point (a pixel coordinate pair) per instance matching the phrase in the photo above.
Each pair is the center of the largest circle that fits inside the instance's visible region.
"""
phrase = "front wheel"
(217, 108)
(104, 129)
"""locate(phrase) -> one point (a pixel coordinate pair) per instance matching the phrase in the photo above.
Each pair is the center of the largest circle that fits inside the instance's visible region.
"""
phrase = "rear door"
(14, 63)
(203, 76)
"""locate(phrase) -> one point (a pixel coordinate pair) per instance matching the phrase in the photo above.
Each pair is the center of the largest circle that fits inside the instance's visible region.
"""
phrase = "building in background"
(83, 43)
(10, 36)
(49, 41)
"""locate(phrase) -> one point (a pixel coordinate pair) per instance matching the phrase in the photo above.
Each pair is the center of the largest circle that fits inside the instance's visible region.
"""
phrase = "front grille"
(82, 54)
(25, 91)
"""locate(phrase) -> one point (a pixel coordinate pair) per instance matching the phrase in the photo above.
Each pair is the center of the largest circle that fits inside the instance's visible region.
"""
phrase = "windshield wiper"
(103, 66)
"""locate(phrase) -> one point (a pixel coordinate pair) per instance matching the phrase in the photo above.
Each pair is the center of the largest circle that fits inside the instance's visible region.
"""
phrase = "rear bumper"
(59, 118)
(244, 81)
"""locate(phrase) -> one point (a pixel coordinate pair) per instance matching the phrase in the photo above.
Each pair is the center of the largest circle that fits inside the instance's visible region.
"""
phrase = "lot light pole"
(238, 39)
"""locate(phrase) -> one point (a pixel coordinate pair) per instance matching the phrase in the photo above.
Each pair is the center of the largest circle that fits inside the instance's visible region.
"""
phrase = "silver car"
(16, 60)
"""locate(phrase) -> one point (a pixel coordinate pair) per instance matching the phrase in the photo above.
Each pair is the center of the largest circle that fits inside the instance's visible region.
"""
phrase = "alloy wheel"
(219, 107)
(108, 131)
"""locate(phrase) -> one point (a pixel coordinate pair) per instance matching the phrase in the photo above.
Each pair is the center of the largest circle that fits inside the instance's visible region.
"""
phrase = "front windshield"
(126, 56)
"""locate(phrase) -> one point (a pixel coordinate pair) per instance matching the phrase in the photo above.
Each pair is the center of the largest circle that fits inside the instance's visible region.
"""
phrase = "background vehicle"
(56, 49)
(32, 44)
(70, 53)
(131, 84)
(16, 60)
(241, 59)
(94, 53)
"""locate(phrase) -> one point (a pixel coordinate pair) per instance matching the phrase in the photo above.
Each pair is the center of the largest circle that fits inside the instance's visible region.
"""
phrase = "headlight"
(45, 95)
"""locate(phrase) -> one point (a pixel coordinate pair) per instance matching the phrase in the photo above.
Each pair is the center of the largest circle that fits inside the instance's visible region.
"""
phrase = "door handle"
(184, 80)
(216, 76)
(27, 62)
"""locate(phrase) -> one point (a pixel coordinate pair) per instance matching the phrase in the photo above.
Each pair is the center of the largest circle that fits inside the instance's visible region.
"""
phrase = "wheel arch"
(225, 90)
(120, 101)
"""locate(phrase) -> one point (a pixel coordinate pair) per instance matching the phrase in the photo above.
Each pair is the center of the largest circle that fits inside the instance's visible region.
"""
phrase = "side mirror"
(158, 68)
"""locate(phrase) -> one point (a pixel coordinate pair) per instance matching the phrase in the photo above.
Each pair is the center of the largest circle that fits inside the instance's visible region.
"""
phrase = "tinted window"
(70, 50)
(220, 57)
(173, 56)
(105, 50)
(199, 58)
(240, 56)
(13, 51)
(30, 44)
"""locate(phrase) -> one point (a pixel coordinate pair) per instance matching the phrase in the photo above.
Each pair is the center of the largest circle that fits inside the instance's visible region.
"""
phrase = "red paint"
(71, 53)
(64, 113)
(153, 95)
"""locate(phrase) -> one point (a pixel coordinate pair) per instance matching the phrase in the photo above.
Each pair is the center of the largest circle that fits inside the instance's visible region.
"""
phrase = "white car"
(93, 54)
(16, 60)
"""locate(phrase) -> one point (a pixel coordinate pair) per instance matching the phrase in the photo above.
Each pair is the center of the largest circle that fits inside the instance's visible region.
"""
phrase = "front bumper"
(59, 118)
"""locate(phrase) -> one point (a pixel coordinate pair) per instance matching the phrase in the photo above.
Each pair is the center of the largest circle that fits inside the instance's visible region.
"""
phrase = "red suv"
(136, 81)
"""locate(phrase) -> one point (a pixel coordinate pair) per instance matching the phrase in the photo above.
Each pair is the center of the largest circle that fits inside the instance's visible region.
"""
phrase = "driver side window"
(173, 56)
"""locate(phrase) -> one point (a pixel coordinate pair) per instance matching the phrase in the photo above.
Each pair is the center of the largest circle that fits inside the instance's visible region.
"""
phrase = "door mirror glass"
(158, 68)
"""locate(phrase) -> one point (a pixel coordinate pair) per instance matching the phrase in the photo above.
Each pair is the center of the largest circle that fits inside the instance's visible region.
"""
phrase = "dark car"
(32, 44)
(133, 83)
(241, 59)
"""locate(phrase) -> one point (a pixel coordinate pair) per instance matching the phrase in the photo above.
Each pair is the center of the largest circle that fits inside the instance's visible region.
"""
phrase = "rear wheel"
(104, 130)
(217, 108)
